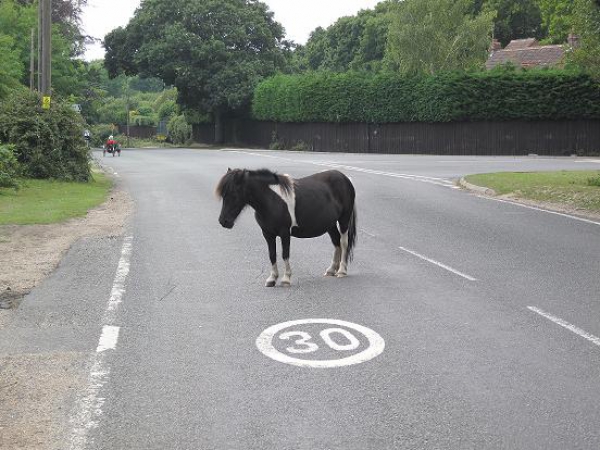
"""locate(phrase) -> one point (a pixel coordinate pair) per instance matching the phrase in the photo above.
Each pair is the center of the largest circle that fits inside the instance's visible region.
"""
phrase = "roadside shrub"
(9, 168)
(47, 143)
(443, 97)
(179, 130)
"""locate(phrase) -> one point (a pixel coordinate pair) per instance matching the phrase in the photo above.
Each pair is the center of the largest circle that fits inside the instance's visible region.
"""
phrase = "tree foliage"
(16, 23)
(11, 69)
(354, 42)
(586, 23)
(213, 51)
(515, 19)
(67, 15)
(557, 19)
(428, 36)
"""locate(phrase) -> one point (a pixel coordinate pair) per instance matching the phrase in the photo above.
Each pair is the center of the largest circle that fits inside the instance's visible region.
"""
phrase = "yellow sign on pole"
(46, 102)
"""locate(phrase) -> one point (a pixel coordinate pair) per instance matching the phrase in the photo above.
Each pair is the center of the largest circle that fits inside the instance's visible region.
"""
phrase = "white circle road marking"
(264, 342)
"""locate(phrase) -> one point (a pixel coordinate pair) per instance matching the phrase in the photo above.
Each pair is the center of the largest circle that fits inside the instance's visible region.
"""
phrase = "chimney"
(496, 45)
(573, 40)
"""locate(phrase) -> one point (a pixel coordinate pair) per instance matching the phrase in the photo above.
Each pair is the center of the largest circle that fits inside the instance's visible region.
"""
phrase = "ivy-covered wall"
(393, 98)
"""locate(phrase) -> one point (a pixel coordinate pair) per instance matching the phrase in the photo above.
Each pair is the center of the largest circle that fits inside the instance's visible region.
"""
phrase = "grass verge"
(578, 189)
(46, 201)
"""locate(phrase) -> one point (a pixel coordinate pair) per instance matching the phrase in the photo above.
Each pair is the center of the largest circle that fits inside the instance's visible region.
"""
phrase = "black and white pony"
(304, 208)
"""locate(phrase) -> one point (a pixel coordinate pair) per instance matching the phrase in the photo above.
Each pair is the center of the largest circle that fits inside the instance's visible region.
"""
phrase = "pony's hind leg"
(345, 228)
(343, 269)
(334, 234)
(285, 244)
(271, 242)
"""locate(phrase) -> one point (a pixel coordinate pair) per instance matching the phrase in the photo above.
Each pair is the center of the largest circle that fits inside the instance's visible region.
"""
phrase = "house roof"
(518, 44)
(526, 53)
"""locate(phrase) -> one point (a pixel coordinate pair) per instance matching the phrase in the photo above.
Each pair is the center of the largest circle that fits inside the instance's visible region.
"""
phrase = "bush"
(179, 130)
(9, 168)
(443, 97)
(47, 143)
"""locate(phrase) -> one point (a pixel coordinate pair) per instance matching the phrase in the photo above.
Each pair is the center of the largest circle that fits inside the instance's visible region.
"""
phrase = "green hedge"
(385, 98)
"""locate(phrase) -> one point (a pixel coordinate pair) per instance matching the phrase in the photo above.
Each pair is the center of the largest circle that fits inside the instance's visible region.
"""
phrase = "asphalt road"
(484, 315)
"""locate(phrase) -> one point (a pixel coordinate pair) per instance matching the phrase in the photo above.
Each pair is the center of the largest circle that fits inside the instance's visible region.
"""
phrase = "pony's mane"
(230, 179)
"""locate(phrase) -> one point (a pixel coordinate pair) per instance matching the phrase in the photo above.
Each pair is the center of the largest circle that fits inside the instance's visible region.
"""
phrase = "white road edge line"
(108, 339)
(569, 216)
(557, 320)
(431, 180)
(88, 408)
(439, 264)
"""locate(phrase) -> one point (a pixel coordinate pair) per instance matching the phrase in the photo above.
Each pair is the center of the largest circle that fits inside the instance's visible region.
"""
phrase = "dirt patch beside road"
(36, 389)
(29, 253)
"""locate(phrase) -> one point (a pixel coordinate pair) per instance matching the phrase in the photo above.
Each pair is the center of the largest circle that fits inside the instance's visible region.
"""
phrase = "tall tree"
(67, 15)
(16, 22)
(354, 42)
(557, 19)
(11, 68)
(213, 51)
(427, 36)
(515, 19)
(586, 24)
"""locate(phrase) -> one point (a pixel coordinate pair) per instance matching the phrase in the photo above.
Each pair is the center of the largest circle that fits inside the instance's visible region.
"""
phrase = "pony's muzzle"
(225, 223)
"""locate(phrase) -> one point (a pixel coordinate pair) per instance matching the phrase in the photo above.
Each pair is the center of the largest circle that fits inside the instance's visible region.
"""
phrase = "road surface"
(464, 323)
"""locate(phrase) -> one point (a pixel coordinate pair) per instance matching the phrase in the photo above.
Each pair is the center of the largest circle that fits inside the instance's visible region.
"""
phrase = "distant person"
(111, 143)
(88, 137)
(112, 146)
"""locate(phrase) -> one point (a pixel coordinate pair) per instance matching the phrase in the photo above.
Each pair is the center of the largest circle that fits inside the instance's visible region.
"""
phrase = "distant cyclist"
(112, 146)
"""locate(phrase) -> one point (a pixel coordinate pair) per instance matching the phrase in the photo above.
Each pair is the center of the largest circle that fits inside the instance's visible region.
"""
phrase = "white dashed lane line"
(439, 264)
(563, 323)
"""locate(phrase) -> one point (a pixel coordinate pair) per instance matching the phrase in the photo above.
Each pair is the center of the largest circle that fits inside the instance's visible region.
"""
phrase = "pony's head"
(232, 190)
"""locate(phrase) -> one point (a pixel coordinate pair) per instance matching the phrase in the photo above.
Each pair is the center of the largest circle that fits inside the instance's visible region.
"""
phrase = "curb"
(473, 187)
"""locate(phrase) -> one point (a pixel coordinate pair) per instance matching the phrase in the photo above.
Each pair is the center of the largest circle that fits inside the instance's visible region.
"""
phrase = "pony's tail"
(352, 236)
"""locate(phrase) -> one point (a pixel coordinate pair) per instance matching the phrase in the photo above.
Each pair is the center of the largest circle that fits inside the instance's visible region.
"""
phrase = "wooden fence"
(556, 138)
(137, 131)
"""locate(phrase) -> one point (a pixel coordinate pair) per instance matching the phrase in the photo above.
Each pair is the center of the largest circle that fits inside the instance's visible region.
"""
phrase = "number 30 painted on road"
(304, 344)
(326, 336)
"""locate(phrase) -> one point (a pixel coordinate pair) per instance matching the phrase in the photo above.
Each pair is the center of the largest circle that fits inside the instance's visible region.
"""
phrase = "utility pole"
(127, 106)
(39, 46)
(46, 47)
(32, 61)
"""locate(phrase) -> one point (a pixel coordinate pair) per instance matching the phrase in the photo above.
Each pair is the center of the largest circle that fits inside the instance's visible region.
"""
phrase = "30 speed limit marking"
(320, 343)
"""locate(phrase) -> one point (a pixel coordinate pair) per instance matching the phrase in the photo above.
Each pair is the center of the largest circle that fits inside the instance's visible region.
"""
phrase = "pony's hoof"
(270, 284)
(329, 274)
(285, 284)
(341, 274)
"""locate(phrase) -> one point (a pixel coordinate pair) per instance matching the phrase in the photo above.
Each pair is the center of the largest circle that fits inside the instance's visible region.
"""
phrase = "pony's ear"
(228, 169)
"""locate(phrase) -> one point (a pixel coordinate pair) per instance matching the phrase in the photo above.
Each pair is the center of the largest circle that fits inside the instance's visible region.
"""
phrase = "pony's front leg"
(272, 243)
(285, 244)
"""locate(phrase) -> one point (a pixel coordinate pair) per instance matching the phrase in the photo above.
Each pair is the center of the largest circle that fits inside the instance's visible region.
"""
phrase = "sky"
(298, 17)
